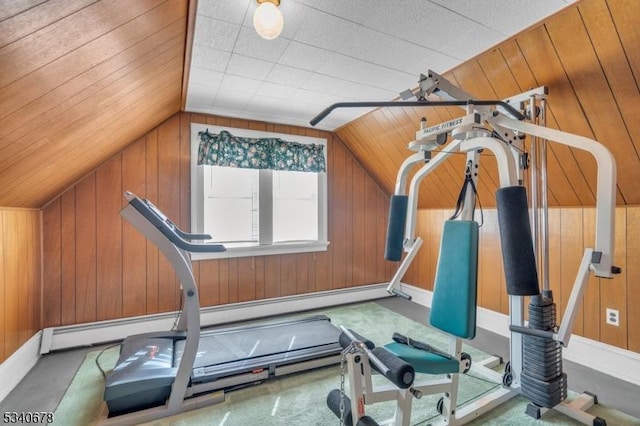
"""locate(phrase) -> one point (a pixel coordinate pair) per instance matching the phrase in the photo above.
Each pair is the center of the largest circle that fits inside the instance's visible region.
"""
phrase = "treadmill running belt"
(228, 351)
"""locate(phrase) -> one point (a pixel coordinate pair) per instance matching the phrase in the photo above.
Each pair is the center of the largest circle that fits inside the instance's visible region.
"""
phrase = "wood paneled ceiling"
(588, 55)
(80, 80)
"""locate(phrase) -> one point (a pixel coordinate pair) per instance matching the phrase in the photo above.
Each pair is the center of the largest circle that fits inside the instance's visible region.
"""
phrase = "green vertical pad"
(453, 309)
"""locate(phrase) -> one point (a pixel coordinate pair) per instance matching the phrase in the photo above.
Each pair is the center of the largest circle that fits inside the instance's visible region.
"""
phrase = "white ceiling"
(338, 51)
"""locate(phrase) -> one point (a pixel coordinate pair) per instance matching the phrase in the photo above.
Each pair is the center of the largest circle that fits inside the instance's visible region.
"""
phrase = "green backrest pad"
(453, 309)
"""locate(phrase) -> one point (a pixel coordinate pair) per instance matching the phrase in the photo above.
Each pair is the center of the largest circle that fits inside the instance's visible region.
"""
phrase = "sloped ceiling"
(336, 51)
(80, 80)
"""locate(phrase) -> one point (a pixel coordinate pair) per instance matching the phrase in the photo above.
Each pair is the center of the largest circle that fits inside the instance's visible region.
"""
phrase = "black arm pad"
(400, 372)
(333, 402)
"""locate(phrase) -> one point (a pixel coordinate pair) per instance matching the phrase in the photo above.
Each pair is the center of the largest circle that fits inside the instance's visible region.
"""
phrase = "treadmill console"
(177, 237)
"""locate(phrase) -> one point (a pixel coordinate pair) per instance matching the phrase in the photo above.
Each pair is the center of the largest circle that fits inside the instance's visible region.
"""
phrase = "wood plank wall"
(571, 229)
(19, 278)
(98, 267)
(79, 80)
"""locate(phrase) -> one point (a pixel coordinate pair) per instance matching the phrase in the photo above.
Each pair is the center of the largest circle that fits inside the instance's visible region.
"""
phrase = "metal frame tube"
(412, 209)
(606, 185)
(544, 201)
(473, 163)
(190, 315)
(577, 291)
(504, 158)
(533, 190)
(406, 262)
(403, 172)
(375, 104)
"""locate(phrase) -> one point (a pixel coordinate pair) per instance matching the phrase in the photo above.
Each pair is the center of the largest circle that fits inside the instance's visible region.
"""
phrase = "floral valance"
(226, 150)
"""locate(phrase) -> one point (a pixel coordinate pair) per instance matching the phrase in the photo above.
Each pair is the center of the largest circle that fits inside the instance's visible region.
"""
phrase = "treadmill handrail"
(184, 235)
(168, 228)
(188, 236)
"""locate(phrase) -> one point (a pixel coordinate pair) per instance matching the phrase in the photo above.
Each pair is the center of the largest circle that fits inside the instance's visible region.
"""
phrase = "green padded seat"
(423, 361)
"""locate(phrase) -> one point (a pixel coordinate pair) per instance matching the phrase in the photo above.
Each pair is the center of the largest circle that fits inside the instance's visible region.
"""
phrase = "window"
(257, 212)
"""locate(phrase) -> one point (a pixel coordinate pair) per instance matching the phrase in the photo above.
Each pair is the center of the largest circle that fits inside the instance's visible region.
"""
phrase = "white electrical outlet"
(613, 317)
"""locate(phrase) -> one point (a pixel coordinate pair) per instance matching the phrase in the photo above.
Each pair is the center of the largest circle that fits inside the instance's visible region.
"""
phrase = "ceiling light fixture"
(267, 19)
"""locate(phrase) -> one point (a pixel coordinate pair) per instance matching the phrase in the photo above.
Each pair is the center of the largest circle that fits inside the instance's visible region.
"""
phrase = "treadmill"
(159, 374)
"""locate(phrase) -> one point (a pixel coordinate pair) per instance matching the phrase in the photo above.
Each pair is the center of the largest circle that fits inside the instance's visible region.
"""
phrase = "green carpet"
(300, 399)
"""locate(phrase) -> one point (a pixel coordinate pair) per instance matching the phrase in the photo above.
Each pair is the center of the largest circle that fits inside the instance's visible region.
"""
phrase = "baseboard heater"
(89, 334)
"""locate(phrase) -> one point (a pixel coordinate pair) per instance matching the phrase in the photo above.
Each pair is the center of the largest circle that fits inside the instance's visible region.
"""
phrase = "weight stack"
(542, 379)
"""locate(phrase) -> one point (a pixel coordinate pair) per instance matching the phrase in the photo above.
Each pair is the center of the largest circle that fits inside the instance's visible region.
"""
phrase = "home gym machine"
(165, 373)
(535, 366)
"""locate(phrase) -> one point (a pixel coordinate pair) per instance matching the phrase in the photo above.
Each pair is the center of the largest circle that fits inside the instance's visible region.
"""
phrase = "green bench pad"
(423, 361)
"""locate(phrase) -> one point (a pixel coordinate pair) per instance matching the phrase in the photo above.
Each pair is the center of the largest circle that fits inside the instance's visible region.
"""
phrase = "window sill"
(263, 250)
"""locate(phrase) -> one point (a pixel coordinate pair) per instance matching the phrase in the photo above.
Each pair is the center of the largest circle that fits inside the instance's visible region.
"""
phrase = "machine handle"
(318, 118)
(533, 332)
(154, 216)
(187, 235)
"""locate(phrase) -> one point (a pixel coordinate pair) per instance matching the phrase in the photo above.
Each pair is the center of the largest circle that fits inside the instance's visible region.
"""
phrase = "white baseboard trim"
(493, 321)
(619, 363)
(14, 368)
(418, 295)
(88, 334)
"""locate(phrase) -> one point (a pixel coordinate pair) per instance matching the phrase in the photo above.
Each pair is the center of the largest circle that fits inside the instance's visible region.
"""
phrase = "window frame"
(197, 198)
